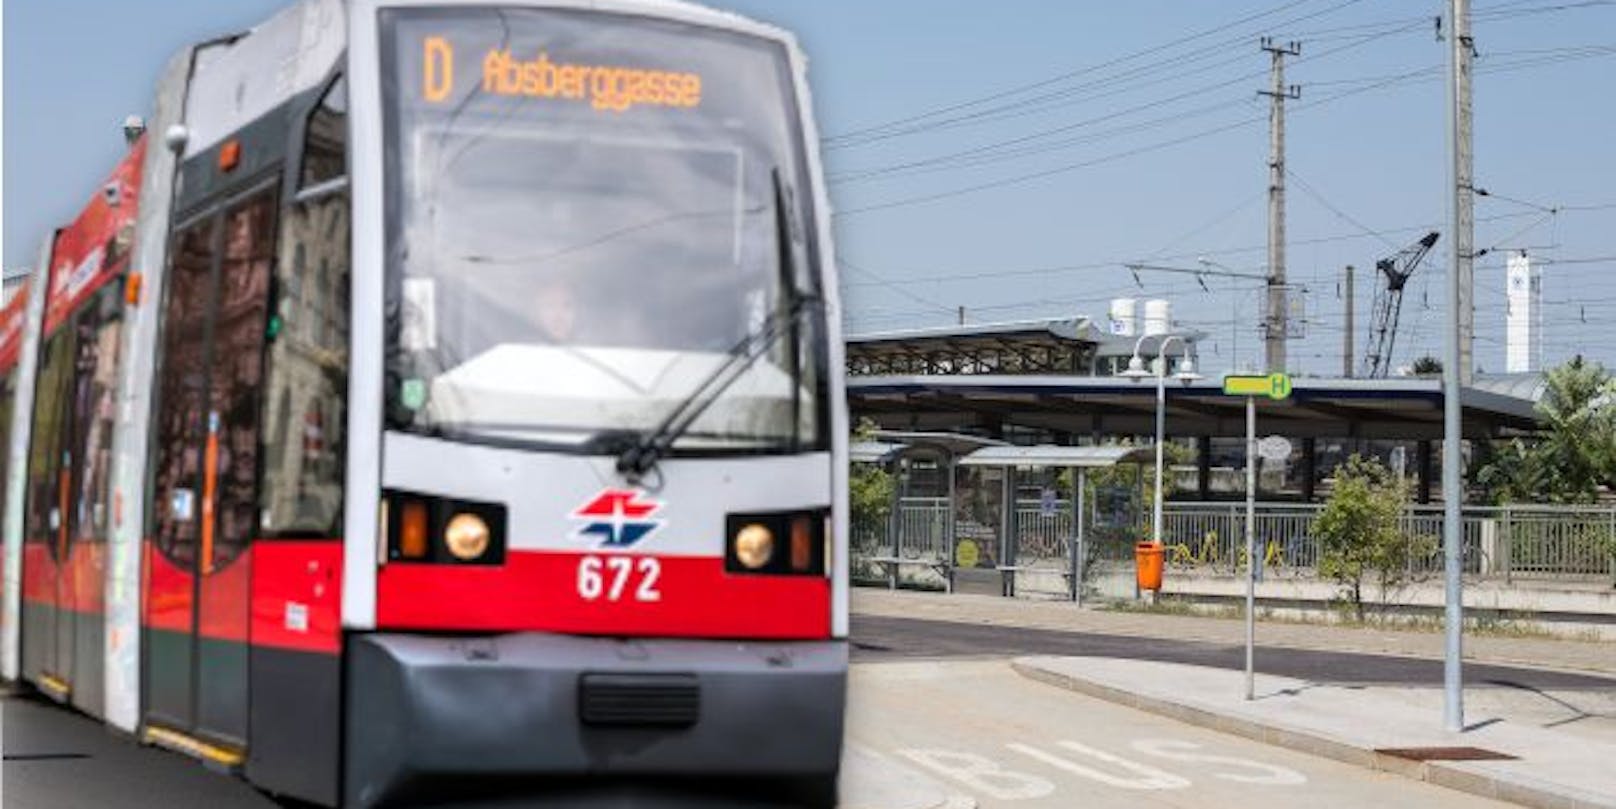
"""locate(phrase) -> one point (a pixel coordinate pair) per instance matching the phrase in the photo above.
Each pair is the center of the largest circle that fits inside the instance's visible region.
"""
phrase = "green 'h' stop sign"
(1274, 386)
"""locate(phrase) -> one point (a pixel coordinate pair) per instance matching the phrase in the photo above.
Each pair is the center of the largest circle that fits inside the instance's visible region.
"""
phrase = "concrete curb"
(1454, 775)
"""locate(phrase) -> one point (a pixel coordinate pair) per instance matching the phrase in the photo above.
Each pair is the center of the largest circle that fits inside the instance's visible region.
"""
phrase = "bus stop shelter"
(955, 511)
(1033, 544)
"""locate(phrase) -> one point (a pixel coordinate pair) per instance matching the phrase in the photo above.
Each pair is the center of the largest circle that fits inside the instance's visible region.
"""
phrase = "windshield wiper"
(643, 454)
(638, 458)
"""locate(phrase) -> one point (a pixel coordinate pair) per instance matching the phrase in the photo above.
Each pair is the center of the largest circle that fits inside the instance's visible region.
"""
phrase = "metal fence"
(1563, 542)
(923, 528)
(1510, 542)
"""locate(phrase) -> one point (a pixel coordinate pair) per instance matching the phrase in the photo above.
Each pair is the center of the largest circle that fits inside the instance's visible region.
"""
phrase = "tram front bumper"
(427, 713)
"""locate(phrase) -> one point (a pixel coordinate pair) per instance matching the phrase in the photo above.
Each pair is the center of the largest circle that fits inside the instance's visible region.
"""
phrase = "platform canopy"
(1408, 409)
(1052, 455)
(874, 451)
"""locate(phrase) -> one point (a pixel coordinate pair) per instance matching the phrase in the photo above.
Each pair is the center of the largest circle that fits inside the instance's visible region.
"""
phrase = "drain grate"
(1446, 754)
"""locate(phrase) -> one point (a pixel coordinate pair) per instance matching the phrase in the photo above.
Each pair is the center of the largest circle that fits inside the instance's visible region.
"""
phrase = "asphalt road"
(878, 639)
(973, 732)
(58, 759)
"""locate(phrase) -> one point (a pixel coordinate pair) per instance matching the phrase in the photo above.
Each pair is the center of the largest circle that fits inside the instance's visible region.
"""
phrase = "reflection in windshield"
(520, 232)
(581, 217)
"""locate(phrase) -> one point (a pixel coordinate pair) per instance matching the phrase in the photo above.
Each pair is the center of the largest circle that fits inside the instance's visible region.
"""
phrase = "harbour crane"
(1396, 269)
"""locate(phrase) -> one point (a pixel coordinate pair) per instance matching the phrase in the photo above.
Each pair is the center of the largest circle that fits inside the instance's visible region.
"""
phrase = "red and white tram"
(445, 397)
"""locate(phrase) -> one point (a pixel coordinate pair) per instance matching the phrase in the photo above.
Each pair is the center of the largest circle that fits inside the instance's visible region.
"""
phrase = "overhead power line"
(972, 110)
(1000, 150)
(1308, 189)
(1400, 79)
(1067, 75)
(1117, 263)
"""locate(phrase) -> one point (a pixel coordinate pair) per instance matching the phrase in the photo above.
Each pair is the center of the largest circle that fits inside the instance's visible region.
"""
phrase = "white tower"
(1523, 324)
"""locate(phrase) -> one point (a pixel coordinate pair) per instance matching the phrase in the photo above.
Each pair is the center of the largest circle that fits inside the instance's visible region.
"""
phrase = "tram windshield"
(586, 215)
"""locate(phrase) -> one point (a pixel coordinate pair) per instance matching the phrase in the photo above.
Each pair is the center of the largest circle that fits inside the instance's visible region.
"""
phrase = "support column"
(1203, 468)
(952, 526)
(1079, 511)
(1310, 468)
(1007, 527)
(1424, 462)
(1275, 328)
(893, 522)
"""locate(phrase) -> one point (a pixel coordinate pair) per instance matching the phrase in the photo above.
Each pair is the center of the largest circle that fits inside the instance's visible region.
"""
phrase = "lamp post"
(1186, 374)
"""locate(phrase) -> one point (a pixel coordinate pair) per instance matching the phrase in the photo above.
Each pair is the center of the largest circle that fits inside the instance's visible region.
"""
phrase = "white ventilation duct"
(1158, 317)
(1124, 317)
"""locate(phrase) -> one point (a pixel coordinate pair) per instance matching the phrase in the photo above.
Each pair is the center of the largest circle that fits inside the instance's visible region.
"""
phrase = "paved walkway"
(1546, 768)
(1061, 615)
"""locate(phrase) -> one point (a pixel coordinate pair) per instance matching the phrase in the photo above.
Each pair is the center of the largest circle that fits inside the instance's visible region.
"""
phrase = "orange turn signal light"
(413, 538)
(802, 543)
(230, 155)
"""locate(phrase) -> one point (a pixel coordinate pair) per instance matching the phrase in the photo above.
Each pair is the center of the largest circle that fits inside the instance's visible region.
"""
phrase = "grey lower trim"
(426, 712)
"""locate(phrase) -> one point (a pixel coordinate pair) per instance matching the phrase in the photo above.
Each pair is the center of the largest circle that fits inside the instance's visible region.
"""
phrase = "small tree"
(1359, 531)
(869, 490)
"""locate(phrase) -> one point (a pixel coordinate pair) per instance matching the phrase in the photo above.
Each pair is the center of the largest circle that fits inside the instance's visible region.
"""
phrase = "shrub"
(1359, 532)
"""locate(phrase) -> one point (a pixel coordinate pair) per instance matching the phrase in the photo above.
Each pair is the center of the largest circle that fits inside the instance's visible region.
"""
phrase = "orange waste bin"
(1148, 558)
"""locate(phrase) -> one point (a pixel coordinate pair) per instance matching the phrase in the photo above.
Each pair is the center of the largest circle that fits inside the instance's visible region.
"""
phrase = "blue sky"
(1128, 169)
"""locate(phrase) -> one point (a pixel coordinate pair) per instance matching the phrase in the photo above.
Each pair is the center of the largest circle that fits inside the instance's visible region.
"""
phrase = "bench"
(943, 567)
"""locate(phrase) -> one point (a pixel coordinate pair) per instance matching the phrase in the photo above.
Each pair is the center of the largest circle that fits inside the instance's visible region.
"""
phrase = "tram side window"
(50, 418)
(305, 403)
(94, 411)
(236, 377)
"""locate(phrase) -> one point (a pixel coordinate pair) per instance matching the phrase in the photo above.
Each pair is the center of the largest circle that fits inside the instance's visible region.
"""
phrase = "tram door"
(205, 471)
(48, 636)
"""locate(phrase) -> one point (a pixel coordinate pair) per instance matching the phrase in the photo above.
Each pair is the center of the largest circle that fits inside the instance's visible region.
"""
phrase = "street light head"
(1186, 372)
(1136, 369)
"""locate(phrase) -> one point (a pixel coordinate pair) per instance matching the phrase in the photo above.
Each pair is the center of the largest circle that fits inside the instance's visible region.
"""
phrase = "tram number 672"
(612, 576)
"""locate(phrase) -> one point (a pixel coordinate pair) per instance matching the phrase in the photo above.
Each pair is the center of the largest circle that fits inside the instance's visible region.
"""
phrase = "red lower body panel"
(292, 590)
(671, 596)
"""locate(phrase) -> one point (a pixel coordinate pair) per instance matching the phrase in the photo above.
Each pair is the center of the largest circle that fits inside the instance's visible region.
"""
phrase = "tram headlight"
(754, 545)
(466, 536)
(780, 543)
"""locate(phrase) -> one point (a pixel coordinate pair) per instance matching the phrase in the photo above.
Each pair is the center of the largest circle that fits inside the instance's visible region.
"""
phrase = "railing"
(1506, 542)
(1512, 541)
(923, 528)
(1042, 536)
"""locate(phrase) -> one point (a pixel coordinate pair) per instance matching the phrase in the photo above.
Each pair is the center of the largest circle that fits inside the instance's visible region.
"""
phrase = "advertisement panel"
(95, 248)
(13, 316)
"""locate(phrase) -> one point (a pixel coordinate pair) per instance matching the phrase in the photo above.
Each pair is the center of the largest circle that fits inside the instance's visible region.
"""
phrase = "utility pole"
(1351, 326)
(1456, 363)
(1276, 328)
(962, 315)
